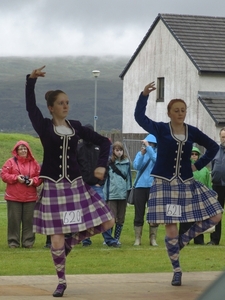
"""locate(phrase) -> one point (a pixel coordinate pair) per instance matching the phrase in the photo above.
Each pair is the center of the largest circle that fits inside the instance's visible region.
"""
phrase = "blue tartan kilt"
(178, 202)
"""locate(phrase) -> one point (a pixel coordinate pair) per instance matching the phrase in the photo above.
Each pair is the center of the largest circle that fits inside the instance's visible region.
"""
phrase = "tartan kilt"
(62, 199)
(197, 202)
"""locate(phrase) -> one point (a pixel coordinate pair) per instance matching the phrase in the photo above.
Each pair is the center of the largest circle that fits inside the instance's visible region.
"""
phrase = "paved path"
(151, 286)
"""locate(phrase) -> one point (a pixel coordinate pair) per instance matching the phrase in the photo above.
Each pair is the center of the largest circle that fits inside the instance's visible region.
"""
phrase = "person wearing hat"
(204, 177)
(144, 162)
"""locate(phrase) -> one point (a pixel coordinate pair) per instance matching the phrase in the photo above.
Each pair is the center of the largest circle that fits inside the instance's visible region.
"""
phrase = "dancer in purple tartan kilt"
(175, 196)
(66, 205)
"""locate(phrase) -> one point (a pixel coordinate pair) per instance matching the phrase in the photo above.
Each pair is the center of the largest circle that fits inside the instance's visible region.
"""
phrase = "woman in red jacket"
(20, 173)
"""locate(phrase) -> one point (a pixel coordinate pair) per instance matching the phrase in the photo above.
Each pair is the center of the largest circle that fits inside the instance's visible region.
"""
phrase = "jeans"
(141, 196)
(107, 235)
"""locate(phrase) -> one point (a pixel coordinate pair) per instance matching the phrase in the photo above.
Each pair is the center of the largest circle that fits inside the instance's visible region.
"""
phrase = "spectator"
(20, 173)
(204, 177)
(218, 184)
(117, 183)
(144, 162)
(87, 157)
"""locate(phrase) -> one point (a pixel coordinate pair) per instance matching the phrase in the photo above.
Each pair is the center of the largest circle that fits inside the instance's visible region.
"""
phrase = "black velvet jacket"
(60, 151)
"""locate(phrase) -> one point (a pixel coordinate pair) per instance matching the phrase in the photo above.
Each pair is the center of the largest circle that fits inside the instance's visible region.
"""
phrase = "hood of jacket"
(29, 152)
(195, 149)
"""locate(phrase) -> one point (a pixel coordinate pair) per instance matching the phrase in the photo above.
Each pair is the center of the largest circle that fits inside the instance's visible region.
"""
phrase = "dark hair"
(170, 104)
(51, 96)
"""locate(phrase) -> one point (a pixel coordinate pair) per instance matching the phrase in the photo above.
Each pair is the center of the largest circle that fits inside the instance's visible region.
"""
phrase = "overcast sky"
(86, 27)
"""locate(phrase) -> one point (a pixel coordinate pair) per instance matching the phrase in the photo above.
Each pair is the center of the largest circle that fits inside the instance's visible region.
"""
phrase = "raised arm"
(140, 109)
(34, 113)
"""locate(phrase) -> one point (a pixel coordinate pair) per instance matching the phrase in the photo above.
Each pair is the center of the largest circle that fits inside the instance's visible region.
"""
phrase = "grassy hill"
(8, 140)
(70, 74)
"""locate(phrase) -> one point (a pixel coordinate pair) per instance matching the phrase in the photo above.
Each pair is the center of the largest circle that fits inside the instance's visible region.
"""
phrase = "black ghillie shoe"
(59, 290)
(176, 281)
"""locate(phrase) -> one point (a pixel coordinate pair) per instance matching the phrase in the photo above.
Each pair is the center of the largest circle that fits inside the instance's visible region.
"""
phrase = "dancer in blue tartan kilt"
(175, 196)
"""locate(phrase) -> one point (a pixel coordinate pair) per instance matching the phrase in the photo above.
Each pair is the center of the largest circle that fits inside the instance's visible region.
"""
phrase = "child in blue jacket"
(117, 183)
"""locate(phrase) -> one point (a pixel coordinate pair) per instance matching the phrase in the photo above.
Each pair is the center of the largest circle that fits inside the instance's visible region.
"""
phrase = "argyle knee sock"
(59, 259)
(196, 229)
(172, 247)
(118, 230)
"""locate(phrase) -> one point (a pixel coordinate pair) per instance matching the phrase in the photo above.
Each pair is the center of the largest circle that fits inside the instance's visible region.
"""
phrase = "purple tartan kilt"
(64, 197)
(197, 201)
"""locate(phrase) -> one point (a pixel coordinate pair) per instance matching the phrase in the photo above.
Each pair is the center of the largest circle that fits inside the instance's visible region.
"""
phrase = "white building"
(185, 56)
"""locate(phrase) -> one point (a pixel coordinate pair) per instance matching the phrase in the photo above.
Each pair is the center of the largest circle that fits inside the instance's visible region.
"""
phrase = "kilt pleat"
(197, 202)
(58, 198)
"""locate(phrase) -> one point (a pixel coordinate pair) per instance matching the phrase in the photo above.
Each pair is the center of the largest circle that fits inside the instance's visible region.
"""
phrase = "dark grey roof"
(214, 103)
(202, 38)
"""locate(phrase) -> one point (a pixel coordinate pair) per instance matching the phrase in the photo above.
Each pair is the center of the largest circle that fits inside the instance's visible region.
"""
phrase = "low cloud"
(74, 27)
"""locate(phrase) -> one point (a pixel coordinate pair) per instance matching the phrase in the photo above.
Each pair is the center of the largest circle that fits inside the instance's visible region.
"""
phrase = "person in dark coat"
(218, 184)
(87, 157)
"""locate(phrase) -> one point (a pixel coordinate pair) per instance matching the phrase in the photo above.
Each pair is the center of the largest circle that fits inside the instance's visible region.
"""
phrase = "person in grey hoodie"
(218, 183)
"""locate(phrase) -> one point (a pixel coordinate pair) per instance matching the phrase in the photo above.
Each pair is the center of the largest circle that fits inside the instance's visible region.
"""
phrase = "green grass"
(99, 259)
(8, 141)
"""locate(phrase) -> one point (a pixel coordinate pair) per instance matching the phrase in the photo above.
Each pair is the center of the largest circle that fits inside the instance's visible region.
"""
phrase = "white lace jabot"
(180, 137)
(63, 129)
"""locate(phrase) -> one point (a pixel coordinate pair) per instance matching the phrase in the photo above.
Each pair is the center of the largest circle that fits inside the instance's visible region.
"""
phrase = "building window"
(160, 89)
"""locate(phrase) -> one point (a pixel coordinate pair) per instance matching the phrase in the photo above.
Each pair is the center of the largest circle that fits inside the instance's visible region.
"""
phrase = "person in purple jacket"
(175, 196)
(67, 205)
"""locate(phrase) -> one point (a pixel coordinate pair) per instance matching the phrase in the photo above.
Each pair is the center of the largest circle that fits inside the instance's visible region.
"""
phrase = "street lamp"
(96, 74)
